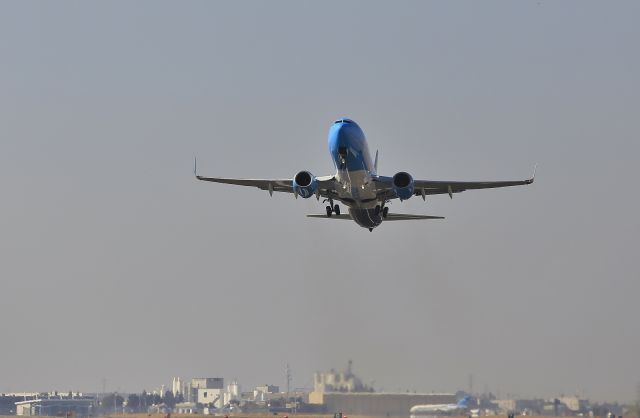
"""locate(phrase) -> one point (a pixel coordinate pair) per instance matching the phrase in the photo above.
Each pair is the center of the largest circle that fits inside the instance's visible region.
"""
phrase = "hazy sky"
(116, 263)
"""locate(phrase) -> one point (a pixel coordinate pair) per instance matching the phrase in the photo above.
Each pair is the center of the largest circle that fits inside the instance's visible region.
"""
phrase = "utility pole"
(287, 371)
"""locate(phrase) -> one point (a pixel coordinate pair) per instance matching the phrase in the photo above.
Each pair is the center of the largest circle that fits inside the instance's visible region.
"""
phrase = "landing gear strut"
(331, 209)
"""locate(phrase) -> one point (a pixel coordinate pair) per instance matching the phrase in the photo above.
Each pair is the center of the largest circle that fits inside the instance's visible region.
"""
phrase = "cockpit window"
(343, 121)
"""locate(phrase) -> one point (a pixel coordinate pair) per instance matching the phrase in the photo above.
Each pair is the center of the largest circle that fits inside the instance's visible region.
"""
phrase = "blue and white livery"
(423, 411)
(357, 184)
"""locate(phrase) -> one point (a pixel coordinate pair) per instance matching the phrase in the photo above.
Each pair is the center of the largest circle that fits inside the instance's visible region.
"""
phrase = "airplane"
(431, 410)
(357, 184)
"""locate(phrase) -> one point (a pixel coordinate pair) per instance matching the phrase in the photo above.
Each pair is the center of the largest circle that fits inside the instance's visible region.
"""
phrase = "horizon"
(117, 263)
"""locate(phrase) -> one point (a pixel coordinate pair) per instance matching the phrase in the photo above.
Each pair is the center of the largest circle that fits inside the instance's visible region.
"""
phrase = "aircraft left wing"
(431, 187)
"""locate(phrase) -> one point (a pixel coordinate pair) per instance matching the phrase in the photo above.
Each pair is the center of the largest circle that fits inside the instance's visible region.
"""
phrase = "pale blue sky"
(117, 263)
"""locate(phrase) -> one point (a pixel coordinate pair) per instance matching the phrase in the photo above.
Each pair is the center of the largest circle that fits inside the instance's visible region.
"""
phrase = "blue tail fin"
(464, 402)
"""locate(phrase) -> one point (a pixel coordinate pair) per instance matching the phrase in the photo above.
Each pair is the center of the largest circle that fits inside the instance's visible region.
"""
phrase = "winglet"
(533, 176)
(195, 166)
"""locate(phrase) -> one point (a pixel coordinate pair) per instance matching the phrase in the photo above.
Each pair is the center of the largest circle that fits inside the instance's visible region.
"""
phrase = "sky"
(115, 263)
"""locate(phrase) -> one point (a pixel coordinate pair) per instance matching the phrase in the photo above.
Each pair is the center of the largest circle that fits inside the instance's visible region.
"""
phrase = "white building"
(232, 393)
(176, 386)
(207, 391)
(208, 396)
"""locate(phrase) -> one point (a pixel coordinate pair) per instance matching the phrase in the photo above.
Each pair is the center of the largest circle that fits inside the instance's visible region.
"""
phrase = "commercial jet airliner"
(357, 184)
(421, 411)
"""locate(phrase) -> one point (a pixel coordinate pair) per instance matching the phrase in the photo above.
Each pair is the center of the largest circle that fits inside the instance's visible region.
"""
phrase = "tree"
(111, 402)
(133, 402)
(169, 400)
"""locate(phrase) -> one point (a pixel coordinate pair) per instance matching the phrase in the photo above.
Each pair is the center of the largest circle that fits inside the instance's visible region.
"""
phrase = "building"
(377, 404)
(177, 386)
(207, 391)
(574, 404)
(261, 393)
(186, 408)
(213, 397)
(519, 406)
(81, 407)
(333, 381)
(207, 383)
(233, 393)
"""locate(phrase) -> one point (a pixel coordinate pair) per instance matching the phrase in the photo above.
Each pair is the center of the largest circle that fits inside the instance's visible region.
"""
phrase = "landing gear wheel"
(336, 209)
(377, 210)
(385, 212)
(329, 211)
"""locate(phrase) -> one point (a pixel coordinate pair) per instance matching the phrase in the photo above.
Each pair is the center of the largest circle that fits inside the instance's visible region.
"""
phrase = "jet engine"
(403, 185)
(304, 184)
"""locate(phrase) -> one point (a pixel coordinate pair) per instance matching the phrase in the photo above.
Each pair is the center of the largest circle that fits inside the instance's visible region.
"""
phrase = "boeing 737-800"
(357, 184)
(422, 411)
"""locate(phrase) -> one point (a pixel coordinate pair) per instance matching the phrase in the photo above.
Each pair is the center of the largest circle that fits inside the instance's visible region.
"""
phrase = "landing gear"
(331, 209)
(385, 212)
(370, 229)
(376, 211)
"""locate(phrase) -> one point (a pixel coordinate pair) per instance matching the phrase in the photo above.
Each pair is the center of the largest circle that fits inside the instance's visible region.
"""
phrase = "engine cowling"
(304, 184)
(403, 185)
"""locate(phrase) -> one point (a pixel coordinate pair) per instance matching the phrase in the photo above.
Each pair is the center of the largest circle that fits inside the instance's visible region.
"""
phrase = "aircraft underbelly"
(366, 218)
(355, 189)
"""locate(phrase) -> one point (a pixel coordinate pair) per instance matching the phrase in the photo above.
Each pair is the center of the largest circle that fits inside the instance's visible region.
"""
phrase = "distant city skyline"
(117, 263)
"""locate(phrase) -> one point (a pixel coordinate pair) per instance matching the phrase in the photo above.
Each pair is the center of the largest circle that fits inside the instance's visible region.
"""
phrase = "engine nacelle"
(403, 185)
(304, 184)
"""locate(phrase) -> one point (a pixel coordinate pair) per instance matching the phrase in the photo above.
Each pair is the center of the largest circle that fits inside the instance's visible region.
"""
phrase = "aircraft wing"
(431, 187)
(326, 185)
(273, 185)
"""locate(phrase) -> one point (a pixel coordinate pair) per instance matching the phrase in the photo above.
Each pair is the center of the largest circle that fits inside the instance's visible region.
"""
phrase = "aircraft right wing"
(326, 185)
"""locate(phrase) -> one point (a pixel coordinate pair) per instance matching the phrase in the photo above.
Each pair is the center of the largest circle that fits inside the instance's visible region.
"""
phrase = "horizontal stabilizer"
(341, 216)
(390, 217)
(404, 217)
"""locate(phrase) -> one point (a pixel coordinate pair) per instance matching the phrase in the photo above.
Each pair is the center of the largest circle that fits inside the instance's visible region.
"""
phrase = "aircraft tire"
(385, 212)
(329, 211)
(336, 209)
(377, 210)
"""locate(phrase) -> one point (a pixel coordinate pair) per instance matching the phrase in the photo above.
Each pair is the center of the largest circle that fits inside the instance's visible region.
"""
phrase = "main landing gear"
(331, 209)
(385, 211)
